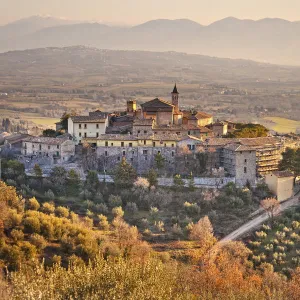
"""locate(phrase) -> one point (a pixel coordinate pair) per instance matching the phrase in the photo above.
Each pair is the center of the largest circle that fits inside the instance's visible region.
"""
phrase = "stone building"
(163, 112)
(240, 162)
(281, 183)
(197, 118)
(267, 150)
(139, 150)
(219, 128)
(60, 149)
(92, 125)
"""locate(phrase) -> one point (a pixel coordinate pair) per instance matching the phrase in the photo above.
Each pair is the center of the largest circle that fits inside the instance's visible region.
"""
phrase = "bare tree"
(271, 206)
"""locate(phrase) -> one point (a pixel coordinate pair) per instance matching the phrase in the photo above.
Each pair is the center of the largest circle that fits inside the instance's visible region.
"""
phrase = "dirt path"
(257, 221)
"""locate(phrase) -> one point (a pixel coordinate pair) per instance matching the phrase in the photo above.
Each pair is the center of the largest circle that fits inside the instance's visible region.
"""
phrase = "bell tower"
(175, 98)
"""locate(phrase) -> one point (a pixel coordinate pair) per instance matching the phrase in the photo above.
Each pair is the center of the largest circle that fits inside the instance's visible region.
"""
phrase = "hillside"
(268, 40)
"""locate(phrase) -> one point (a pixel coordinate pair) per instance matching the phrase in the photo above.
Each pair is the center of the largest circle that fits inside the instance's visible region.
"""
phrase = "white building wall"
(89, 130)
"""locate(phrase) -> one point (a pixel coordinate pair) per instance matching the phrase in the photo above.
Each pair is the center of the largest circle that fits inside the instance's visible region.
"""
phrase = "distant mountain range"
(267, 40)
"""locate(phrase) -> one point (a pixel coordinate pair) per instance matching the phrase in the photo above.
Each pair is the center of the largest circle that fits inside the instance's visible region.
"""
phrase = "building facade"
(60, 149)
(240, 162)
(281, 183)
(92, 126)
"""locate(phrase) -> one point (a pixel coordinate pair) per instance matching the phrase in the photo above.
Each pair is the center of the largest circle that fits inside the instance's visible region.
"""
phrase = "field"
(278, 245)
(282, 125)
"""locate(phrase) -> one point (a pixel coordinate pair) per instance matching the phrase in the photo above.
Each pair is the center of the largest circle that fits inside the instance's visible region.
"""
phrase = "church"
(164, 113)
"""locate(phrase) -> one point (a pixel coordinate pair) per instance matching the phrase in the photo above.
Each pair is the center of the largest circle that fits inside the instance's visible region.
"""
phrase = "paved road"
(257, 221)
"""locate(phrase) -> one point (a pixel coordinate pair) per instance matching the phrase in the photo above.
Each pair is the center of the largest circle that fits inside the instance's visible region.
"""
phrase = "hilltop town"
(158, 135)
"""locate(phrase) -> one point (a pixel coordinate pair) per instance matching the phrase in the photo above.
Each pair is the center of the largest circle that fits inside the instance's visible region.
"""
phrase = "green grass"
(282, 125)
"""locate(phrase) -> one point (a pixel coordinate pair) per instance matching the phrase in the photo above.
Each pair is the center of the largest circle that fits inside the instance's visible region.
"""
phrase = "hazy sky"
(138, 11)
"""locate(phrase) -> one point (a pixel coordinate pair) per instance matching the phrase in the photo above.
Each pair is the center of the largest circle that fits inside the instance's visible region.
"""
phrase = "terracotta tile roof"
(45, 140)
(238, 147)
(156, 104)
(203, 115)
(282, 174)
(202, 129)
(88, 119)
(121, 137)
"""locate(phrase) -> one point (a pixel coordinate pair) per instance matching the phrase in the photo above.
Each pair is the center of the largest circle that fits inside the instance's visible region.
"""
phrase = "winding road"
(257, 221)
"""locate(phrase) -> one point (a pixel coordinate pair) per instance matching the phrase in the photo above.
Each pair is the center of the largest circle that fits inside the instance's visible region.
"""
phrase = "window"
(131, 158)
(130, 144)
(80, 134)
(97, 134)
(106, 144)
(57, 146)
(189, 132)
(146, 157)
(32, 145)
(85, 126)
(57, 153)
(40, 147)
(245, 170)
(48, 147)
(124, 153)
(245, 160)
(145, 152)
(145, 131)
(153, 144)
(178, 133)
(132, 152)
(112, 144)
(106, 154)
(173, 145)
(172, 153)
(85, 134)
(122, 144)
(165, 145)
(145, 142)
(97, 126)
(119, 158)
(158, 152)
(79, 126)
(139, 131)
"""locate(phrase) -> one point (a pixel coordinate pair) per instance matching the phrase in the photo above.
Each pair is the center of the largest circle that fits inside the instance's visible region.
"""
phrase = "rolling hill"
(266, 40)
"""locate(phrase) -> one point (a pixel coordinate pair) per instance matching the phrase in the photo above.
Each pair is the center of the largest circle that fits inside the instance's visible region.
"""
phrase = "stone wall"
(141, 158)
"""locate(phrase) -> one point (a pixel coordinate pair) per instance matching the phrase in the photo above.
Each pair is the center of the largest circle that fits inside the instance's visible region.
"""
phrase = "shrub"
(131, 207)
(88, 204)
(32, 225)
(160, 226)
(29, 250)
(176, 230)
(88, 222)
(62, 212)
(101, 208)
(154, 211)
(33, 204)
(13, 219)
(48, 208)
(89, 213)
(103, 223)
(114, 201)
(192, 208)
(49, 195)
(118, 211)
(47, 229)
(38, 241)
(17, 235)
(261, 234)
